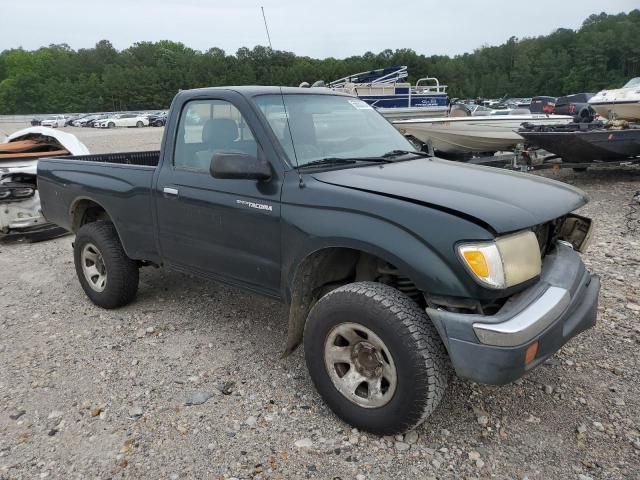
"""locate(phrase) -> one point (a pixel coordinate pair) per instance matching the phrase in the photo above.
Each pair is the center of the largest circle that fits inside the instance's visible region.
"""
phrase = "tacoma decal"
(257, 206)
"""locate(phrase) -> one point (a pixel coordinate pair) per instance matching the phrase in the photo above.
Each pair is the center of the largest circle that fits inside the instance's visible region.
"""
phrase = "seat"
(217, 134)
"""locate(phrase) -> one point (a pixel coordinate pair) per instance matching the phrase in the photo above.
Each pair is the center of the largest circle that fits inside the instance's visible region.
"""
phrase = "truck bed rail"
(147, 159)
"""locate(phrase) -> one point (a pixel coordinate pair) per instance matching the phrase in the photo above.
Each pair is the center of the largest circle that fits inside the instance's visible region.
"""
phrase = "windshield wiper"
(397, 153)
(344, 161)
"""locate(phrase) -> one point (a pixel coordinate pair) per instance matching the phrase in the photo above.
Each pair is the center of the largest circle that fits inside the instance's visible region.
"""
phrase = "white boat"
(405, 113)
(456, 135)
(622, 103)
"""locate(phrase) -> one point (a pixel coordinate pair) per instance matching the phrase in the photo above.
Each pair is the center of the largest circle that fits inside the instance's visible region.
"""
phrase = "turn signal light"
(477, 263)
(532, 351)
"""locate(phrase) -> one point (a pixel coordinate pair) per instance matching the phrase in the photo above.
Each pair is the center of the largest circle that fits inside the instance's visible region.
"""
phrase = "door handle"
(170, 191)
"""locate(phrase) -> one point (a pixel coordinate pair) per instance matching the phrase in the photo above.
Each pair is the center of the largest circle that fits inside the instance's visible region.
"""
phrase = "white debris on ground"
(187, 381)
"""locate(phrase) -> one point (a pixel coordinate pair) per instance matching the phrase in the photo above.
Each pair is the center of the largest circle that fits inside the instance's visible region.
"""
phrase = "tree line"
(604, 52)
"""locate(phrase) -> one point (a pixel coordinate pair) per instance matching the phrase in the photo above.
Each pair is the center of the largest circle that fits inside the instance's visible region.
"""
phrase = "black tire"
(585, 116)
(122, 273)
(417, 351)
(139, 124)
(111, 125)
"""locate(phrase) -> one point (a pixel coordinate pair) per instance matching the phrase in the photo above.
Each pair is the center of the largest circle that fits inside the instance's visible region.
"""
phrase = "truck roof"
(253, 90)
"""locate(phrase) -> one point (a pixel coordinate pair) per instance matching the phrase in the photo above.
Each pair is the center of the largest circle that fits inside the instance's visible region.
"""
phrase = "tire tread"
(123, 272)
(417, 332)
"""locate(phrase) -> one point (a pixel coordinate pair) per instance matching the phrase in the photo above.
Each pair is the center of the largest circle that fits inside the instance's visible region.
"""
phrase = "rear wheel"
(107, 275)
(139, 124)
(375, 357)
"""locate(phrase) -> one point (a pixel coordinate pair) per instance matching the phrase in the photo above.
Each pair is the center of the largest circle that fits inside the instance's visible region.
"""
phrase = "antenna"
(266, 27)
(284, 105)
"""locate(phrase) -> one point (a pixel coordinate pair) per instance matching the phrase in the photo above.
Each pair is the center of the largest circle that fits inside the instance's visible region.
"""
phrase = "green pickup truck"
(397, 268)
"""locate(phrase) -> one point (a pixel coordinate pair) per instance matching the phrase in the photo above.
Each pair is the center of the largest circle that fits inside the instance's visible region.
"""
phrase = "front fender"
(416, 260)
(423, 252)
(429, 267)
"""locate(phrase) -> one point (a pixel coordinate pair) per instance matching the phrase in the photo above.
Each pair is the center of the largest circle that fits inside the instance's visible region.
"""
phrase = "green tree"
(603, 52)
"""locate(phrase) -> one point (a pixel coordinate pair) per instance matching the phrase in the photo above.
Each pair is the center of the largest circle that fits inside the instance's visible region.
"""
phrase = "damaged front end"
(20, 211)
(19, 203)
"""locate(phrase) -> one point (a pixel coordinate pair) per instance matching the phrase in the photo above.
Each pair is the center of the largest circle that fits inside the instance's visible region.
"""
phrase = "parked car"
(53, 121)
(85, 121)
(542, 105)
(79, 122)
(576, 105)
(70, 121)
(35, 121)
(394, 266)
(92, 121)
(158, 119)
(123, 120)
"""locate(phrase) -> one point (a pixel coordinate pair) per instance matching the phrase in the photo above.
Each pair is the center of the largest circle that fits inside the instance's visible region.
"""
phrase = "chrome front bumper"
(528, 323)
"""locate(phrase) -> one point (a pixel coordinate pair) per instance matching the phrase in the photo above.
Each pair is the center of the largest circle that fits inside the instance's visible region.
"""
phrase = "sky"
(317, 29)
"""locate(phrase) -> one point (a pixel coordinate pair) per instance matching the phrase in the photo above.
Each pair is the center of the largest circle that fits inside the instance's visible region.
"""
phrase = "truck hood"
(502, 200)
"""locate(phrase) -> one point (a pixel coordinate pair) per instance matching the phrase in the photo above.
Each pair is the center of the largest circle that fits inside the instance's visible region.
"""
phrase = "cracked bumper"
(492, 348)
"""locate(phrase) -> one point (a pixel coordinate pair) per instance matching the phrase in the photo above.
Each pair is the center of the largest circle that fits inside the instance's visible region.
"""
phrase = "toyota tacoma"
(397, 268)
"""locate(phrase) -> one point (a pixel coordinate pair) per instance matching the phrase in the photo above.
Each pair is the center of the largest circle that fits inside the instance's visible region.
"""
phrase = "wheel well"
(330, 268)
(86, 211)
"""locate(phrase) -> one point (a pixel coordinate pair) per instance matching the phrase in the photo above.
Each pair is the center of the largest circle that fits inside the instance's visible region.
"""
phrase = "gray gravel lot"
(187, 382)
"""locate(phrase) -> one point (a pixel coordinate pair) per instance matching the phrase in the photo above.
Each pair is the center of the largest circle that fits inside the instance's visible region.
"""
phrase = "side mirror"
(239, 166)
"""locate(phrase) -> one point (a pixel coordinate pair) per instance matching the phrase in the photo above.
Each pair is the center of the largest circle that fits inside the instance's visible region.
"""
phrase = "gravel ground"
(187, 381)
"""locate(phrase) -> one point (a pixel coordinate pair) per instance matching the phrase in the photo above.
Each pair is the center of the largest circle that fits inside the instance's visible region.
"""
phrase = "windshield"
(634, 82)
(324, 126)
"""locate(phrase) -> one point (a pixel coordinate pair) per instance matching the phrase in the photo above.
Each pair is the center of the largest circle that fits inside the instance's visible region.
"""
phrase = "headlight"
(13, 192)
(22, 192)
(505, 262)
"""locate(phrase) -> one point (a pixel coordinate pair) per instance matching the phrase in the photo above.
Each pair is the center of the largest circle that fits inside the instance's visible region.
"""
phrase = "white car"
(123, 120)
(53, 121)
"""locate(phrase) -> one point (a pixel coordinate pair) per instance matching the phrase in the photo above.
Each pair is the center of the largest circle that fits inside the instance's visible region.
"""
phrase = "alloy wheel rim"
(360, 365)
(93, 267)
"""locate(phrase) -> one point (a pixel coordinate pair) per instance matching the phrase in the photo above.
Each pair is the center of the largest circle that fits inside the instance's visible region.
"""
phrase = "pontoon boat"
(387, 90)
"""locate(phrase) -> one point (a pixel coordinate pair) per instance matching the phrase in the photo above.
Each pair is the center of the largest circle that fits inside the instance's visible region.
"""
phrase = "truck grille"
(547, 234)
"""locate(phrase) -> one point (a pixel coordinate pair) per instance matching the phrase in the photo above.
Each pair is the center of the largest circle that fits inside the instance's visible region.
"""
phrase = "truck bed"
(146, 159)
(119, 183)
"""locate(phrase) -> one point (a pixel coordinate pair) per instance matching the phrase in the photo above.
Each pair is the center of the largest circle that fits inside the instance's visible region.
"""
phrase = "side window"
(207, 127)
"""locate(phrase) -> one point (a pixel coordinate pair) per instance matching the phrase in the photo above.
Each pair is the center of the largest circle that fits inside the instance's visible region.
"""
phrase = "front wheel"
(106, 274)
(375, 357)
(111, 125)
(139, 124)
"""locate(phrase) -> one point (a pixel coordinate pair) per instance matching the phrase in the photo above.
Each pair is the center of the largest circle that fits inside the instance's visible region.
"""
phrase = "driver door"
(223, 228)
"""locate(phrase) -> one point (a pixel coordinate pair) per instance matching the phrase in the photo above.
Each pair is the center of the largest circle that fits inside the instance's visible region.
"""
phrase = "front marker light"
(506, 262)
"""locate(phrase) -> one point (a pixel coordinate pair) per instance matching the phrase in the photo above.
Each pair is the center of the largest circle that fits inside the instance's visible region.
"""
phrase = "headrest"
(220, 132)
